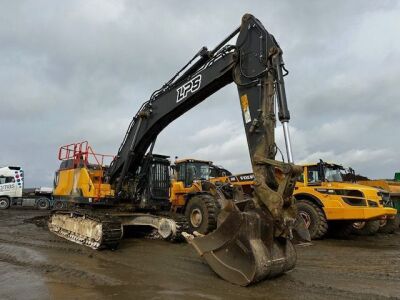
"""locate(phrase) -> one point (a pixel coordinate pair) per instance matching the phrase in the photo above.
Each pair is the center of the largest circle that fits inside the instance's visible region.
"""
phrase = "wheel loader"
(194, 195)
(250, 243)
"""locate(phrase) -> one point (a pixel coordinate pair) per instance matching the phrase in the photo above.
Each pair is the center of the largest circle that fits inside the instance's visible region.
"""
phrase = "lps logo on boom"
(190, 86)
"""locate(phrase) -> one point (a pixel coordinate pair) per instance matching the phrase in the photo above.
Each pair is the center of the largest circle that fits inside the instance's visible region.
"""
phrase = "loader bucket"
(242, 250)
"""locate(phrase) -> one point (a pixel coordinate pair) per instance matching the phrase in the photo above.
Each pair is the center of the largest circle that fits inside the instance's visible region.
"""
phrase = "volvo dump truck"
(248, 245)
(13, 193)
(325, 201)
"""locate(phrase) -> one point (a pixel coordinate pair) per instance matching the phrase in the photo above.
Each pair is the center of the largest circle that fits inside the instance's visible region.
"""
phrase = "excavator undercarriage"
(252, 241)
(100, 230)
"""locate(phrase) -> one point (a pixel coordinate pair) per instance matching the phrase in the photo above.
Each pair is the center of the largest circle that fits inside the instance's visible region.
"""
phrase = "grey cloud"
(78, 70)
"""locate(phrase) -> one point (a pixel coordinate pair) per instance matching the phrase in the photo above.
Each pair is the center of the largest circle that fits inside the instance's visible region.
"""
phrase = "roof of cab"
(178, 161)
(327, 163)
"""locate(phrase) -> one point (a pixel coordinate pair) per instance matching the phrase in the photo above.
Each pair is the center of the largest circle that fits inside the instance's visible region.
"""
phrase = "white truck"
(12, 192)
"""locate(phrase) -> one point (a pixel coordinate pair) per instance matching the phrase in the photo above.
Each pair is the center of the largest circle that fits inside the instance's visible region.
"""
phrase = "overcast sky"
(79, 70)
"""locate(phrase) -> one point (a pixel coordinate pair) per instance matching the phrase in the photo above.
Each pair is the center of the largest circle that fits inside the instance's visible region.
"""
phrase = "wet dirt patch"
(40, 221)
(52, 268)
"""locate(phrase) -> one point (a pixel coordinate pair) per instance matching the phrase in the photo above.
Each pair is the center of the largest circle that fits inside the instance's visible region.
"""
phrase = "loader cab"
(189, 170)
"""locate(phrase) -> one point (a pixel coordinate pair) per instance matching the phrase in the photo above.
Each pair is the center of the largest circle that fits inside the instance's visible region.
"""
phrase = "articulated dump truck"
(243, 243)
(325, 201)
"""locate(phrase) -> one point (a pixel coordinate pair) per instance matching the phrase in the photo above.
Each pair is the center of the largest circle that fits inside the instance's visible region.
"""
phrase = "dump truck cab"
(323, 196)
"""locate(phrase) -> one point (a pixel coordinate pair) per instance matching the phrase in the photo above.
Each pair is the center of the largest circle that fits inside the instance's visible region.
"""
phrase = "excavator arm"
(248, 245)
(254, 64)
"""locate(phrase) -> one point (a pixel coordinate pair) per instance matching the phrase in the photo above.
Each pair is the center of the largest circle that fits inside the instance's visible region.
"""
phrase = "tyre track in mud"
(332, 292)
(24, 257)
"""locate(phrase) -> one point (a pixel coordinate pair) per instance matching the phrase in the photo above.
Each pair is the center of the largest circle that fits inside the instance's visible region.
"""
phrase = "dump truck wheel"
(314, 218)
(43, 204)
(366, 228)
(4, 203)
(390, 225)
(341, 229)
(201, 213)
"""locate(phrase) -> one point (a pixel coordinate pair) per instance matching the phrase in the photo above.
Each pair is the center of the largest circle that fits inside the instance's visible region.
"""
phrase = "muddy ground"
(36, 264)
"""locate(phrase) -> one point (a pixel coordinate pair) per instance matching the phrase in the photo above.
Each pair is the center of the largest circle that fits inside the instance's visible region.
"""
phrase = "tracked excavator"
(251, 243)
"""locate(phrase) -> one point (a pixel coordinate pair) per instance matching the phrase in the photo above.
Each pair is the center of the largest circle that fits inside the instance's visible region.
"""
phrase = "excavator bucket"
(242, 250)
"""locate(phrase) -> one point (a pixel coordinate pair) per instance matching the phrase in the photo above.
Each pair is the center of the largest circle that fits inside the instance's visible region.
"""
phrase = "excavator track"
(92, 230)
(105, 230)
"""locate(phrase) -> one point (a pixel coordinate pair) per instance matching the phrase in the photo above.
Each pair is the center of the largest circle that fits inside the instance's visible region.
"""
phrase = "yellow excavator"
(252, 241)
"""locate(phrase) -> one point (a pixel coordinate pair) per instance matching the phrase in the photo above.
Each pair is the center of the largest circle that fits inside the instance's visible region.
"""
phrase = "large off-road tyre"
(390, 225)
(341, 229)
(43, 204)
(366, 228)
(314, 218)
(201, 213)
(4, 203)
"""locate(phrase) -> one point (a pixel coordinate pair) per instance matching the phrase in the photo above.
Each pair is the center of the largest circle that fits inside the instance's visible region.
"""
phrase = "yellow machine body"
(188, 178)
(82, 182)
(179, 192)
(342, 200)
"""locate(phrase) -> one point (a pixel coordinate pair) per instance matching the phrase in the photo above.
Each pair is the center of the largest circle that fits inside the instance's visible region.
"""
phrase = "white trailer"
(12, 192)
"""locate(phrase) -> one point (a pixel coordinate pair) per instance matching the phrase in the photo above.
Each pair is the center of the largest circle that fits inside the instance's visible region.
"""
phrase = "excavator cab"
(154, 178)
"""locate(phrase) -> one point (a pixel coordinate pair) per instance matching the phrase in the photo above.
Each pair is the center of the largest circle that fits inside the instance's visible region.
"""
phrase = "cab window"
(6, 179)
(313, 174)
(301, 178)
(181, 172)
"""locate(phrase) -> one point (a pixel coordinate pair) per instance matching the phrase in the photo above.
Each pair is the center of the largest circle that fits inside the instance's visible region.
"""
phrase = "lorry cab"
(13, 193)
(11, 184)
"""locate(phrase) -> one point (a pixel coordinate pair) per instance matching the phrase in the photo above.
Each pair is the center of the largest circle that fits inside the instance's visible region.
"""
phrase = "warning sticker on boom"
(244, 102)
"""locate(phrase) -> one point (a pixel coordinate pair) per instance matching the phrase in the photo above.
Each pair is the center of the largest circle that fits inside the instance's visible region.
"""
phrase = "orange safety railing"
(82, 155)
